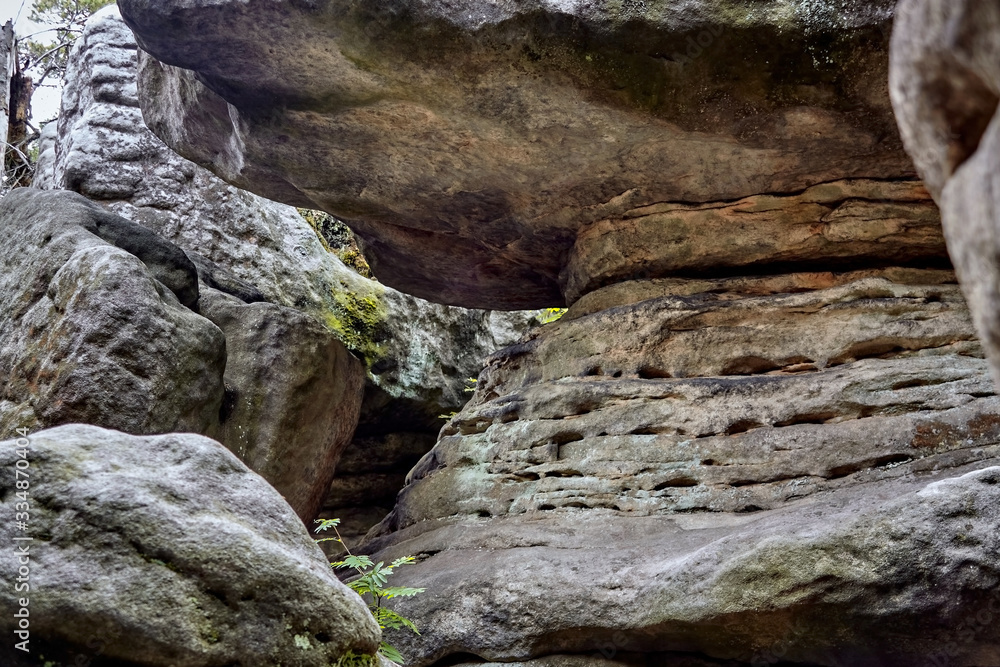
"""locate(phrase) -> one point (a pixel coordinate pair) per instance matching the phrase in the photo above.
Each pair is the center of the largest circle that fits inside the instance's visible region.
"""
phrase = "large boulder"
(293, 396)
(470, 144)
(108, 324)
(945, 80)
(418, 355)
(415, 351)
(163, 551)
(91, 333)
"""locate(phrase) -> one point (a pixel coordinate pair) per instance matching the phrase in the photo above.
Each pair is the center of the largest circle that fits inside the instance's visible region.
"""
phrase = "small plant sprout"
(371, 582)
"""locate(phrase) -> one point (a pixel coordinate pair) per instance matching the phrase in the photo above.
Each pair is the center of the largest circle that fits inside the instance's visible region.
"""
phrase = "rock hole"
(229, 399)
(458, 659)
(869, 349)
(583, 408)
(593, 370)
(566, 437)
(546, 508)
(564, 473)
(742, 426)
(877, 462)
(750, 508)
(749, 365)
(616, 374)
(645, 430)
(221, 597)
(323, 638)
(650, 373)
(483, 514)
(708, 462)
(907, 384)
(676, 482)
(809, 418)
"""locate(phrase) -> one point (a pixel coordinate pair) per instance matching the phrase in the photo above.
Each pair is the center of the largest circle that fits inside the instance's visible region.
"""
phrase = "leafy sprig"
(372, 582)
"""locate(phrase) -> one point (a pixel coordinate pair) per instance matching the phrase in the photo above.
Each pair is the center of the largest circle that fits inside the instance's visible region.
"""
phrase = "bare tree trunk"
(6, 70)
(18, 169)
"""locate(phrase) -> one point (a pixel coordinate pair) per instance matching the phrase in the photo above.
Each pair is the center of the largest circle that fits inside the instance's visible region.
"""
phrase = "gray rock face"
(945, 87)
(416, 351)
(91, 334)
(293, 396)
(711, 469)
(88, 334)
(896, 573)
(167, 551)
(419, 355)
(764, 430)
(470, 145)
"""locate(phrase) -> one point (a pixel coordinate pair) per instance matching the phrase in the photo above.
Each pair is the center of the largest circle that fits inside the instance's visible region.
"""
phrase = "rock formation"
(105, 324)
(945, 87)
(763, 432)
(165, 551)
(470, 145)
(91, 333)
(419, 355)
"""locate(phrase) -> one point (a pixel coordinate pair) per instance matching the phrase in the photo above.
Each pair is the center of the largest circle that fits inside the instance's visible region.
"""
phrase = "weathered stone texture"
(895, 573)
(92, 334)
(88, 332)
(764, 430)
(418, 355)
(166, 551)
(945, 82)
(469, 144)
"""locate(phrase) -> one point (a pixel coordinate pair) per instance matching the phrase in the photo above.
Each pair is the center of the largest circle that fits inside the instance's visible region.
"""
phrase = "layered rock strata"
(763, 432)
(732, 470)
(469, 144)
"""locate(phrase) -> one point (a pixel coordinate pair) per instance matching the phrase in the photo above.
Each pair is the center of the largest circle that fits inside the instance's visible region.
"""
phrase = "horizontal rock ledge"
(468, 144)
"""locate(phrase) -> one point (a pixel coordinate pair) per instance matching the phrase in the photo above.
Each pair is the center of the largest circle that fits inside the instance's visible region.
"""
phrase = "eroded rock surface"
(895, 573)
(293, 396)
(469, 144)
(717, 402)
(419, 355)
(711, 468)
(92, 334)
(167, 551)
(764, 431)
(416, 351)
(945, 87)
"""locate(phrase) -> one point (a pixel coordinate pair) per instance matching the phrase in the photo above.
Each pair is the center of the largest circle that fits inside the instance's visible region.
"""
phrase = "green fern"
(372, 581)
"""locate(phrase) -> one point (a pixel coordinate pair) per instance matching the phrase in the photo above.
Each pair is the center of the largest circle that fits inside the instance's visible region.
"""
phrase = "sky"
(45, 102)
